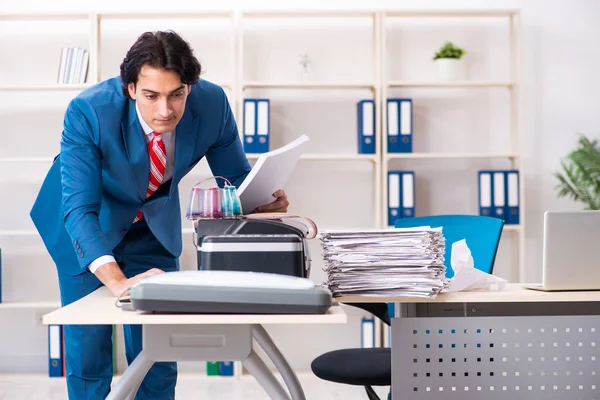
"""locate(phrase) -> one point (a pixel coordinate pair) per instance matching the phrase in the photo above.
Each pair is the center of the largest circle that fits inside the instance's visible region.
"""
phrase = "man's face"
(160, 96)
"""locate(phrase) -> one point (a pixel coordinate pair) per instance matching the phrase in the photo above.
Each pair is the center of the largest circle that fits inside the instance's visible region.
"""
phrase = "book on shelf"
(74, 63)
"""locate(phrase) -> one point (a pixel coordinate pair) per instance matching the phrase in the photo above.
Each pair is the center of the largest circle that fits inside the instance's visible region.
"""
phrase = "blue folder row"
(401, 195)
(257, 125)
(499, 195)
(399, 126)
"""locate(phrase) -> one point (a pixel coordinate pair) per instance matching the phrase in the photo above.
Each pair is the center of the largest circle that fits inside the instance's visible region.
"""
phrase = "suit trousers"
(89, 362)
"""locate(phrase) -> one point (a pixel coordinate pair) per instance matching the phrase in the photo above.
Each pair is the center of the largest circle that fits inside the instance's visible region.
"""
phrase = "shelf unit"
(34, 305)
(450, 84)
(512, 84)
(371, 85)
(378, 86)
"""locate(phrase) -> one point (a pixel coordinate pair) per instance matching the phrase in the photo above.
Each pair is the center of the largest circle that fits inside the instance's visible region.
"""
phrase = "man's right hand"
(112, 277)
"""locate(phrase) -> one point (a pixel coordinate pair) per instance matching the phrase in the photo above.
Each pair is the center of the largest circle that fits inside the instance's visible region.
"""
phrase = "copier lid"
(245, 279)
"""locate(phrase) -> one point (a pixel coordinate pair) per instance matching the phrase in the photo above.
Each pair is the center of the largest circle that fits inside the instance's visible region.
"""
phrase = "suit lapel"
(185, 144)
(136, 148)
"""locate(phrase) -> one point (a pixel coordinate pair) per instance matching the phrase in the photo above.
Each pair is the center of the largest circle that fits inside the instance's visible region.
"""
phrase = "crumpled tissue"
(466, 276)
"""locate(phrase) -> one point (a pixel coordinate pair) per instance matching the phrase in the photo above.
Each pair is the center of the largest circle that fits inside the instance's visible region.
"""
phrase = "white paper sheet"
(269, 174)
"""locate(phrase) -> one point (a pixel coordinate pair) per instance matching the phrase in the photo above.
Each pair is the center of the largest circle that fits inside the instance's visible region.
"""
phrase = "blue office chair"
(481, 233)
(373, 367)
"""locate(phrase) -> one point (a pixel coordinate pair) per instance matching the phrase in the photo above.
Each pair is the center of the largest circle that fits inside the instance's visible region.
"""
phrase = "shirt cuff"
(100, 261)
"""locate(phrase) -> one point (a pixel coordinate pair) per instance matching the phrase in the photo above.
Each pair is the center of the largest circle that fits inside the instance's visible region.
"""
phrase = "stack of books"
(74, 63)
(390, 262)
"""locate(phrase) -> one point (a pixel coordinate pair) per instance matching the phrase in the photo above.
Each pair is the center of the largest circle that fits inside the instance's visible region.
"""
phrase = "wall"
(559, 84)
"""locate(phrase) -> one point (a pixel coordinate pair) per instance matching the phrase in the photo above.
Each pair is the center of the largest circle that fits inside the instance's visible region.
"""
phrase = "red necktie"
(158, 164)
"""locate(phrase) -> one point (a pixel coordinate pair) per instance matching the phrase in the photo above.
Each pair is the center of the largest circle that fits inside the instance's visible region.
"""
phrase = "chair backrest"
(481, 233)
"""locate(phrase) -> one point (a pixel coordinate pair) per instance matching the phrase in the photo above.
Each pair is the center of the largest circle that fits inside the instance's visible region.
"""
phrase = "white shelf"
(26, 159)
(53, 86)
(395, 156)
(307, 14)
(33, 305)
(167, 15)
(512, 228)
(307, 85)
(451, 84)
(325, 157)
(43, 16)
(453, 13)
(15, 232)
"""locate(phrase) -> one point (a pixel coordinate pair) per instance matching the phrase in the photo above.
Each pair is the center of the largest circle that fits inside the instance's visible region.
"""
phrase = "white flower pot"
(449, 69)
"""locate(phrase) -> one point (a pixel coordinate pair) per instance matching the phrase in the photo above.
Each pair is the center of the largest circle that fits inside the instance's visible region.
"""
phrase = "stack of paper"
(390, 262)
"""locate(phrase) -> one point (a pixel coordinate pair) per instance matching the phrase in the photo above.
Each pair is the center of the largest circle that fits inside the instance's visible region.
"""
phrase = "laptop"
(571, 251)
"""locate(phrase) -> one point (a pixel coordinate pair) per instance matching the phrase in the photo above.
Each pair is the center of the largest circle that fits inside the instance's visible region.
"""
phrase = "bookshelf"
(107, 35)
(510, 82)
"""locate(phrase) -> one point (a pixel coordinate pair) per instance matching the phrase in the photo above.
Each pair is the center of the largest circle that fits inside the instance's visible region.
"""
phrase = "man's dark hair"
(162, 50)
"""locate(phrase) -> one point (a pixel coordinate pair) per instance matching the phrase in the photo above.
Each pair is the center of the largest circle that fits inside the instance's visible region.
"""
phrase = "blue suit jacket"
(98, 182)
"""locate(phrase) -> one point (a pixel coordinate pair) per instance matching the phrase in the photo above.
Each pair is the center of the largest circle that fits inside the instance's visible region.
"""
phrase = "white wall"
(559, 84)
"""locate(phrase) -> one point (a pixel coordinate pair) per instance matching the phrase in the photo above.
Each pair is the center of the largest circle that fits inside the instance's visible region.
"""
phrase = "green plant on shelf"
(449, 50)
(579, 179)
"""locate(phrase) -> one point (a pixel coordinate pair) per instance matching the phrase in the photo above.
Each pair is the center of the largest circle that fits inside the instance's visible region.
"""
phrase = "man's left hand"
(280, 205)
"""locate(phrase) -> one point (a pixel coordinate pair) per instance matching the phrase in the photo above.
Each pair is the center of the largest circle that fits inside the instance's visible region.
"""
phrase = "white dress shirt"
(169, 140)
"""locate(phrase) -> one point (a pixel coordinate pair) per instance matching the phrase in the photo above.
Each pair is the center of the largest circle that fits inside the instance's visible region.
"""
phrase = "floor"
(39, 387)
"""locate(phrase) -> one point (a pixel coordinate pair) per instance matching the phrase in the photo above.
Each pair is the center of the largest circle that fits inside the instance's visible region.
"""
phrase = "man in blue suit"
(102, 215)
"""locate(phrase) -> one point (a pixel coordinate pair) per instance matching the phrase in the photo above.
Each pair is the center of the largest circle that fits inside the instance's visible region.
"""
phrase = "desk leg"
(131, 378)
(256, 366)
(287, 373)
(133, 392)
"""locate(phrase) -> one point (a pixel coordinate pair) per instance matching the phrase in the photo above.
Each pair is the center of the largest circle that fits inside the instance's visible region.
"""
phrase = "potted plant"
(448, 61)
(580, 177)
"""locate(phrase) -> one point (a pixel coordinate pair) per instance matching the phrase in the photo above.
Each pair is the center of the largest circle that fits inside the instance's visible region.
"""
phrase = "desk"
(511, 344)
(194, 337)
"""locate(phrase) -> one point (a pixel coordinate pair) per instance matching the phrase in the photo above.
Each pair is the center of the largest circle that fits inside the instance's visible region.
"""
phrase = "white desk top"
(513, 292)
(98, 308)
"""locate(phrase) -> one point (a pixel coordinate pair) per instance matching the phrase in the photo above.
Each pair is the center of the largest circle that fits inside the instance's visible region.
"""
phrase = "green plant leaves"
(580, 177)
(449, 50)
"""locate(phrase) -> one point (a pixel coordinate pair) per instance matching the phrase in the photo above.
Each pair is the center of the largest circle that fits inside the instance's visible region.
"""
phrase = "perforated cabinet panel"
(555, 357)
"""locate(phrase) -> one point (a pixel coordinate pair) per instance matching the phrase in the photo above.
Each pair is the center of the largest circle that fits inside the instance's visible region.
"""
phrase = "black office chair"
(363, 367)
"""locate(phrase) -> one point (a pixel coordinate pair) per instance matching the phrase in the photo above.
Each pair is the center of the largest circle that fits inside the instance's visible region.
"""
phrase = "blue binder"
(249, 126)
(226, 368)
(401, 195)
(366, 126)
(367, 332)
(55, 351)
(408, 194)
(399, 125)
(394, 196)
(257, 125)
(263, 125)
(499, 194)
(485, 193)
(512, 197)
